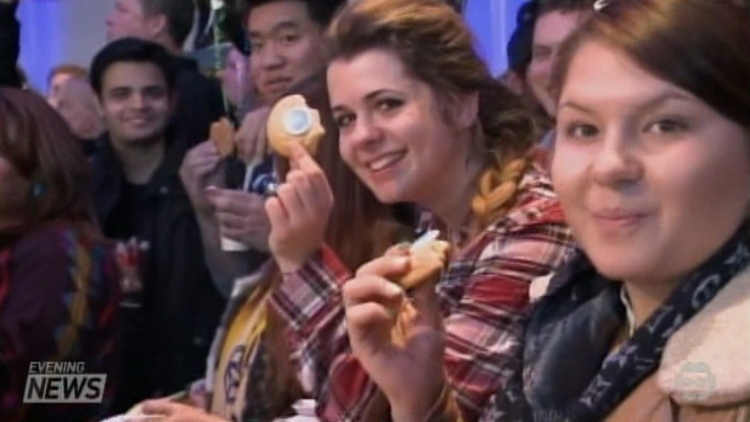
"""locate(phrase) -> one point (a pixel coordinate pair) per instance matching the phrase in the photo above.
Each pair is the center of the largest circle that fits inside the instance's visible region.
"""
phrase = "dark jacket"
(199, 101)
(10, 32)
(169, 336)
(59, 301)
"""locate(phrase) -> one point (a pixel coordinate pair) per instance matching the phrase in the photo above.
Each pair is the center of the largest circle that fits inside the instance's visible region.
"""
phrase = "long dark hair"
(39, 145)
(359, 229)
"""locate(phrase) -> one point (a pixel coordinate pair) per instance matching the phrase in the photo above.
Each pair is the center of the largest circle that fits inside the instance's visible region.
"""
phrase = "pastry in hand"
(222, 134)
(427, 259)
(292, 121)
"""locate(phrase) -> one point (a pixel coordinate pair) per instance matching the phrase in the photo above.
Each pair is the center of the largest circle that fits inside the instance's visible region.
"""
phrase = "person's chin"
(388, 193)
(144, 138)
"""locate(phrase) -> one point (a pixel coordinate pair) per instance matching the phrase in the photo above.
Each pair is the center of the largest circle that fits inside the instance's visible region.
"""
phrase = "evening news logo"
(63, 382)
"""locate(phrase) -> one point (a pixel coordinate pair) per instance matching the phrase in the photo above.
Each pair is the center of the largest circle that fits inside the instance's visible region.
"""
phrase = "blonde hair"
(437, 48)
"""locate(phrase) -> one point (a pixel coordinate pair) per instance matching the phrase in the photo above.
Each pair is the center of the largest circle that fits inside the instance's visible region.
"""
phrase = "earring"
(37, 190)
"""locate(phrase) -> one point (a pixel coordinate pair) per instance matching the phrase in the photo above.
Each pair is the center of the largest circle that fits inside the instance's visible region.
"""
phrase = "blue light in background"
(62, 31)
(41, 39)
(492, 22)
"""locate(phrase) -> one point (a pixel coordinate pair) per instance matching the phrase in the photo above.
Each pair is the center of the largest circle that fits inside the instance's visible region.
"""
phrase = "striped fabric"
(483, 295)
(59, 298)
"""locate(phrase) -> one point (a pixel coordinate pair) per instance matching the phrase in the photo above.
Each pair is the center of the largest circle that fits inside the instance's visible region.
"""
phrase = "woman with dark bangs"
(59, 290)
(649, 321)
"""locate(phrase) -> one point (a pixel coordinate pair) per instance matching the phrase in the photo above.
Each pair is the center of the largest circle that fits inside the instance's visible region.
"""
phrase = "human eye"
(666, 126)
(580, 130)
(256, 45)
(289, 37)
(119, 94)
(388, 104)
(540, 53)
(344, 120)
(155, 92)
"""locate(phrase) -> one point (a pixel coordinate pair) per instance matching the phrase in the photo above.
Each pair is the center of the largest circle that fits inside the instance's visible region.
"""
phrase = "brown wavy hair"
(360, 228)
(37, 142)
(437, 49)
(701, 46)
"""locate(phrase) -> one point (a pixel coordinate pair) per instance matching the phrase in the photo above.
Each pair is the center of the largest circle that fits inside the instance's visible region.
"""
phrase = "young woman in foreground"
(421, 121)
(652, 167)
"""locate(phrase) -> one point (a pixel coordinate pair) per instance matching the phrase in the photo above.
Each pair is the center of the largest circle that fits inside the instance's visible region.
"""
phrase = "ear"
(467, 110)
(156, 25)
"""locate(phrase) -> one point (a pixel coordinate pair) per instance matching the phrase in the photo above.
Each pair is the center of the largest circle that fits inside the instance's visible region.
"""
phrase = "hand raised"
(396, 338)
(299, 213)
(201, 168)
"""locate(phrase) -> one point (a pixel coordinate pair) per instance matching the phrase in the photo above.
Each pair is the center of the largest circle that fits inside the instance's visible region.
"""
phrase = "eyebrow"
(368, 97)
(120, 88)
(666, 96)
(136, 88)
(278, 27)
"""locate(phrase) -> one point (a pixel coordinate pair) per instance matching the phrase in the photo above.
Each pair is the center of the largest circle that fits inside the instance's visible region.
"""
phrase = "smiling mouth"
(616, 220)
(385, 162)
(139, 122)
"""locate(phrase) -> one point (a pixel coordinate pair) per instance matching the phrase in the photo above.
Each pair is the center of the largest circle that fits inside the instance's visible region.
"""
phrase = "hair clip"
(599, 5)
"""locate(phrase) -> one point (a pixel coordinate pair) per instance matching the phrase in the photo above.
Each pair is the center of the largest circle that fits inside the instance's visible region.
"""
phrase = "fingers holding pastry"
(222, 134)
(291, 121)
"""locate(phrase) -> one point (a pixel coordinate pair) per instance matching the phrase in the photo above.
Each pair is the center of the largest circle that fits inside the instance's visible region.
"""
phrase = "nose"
(138, 101)
(364, 133)
(617, 160)
(270, 56)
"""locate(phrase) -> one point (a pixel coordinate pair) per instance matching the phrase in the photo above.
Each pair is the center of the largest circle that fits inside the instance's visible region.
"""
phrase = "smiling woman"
(421, 121)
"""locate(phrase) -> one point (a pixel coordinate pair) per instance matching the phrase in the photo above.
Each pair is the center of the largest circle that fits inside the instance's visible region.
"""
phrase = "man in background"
(286, 38)
(555, 21)
(173, 306)
(168, 23)
(60, 74)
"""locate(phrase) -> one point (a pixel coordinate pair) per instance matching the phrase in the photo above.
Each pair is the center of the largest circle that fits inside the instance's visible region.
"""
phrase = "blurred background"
(71, 31)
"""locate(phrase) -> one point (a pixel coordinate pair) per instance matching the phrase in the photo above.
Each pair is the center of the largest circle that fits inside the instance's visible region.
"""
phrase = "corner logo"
(63, 382)
(695, 381)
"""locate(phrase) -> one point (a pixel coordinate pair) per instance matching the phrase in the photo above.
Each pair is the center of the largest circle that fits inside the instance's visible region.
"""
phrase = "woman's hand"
(176, 412)
(395, 338)
(299, 213)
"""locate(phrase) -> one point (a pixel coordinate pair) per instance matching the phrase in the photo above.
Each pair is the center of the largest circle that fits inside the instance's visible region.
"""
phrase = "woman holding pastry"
(648, 322)
(421, 121)
(250, 375)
